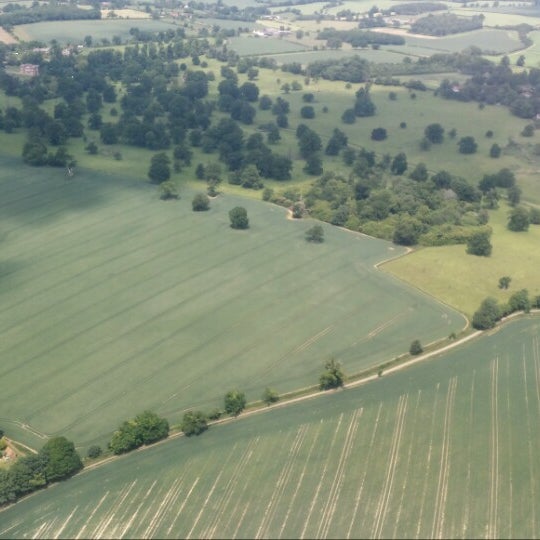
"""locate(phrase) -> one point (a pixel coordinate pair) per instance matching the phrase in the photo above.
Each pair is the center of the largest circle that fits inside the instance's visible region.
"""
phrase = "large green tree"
(519, 219)
(332, 376)
(487, 314)
(479, 243)
(62, 459)
(239, 218)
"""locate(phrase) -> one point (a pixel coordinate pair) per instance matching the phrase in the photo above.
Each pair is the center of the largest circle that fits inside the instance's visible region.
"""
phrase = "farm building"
(29, 69)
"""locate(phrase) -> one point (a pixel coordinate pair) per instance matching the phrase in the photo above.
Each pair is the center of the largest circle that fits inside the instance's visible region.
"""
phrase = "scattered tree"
(200, 202)
(434, 133)
(94, 451)
(519, 301)
(159, 168)
(168, 190)
(467, 145)
(379, 134)
(239, 218)
(504, 282)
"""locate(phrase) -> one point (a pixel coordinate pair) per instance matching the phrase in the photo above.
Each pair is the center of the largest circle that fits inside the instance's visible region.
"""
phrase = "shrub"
(194, 423)
(94, 451)
(270, 396)
(315, 234)
(214, 414)
(239, 218)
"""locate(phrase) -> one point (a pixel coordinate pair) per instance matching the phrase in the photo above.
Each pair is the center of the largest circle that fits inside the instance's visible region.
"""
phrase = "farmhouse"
(29, 69)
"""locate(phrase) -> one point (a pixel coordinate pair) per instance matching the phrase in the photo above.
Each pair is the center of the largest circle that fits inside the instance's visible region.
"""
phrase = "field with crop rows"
(113, 301)
(75, 31)
(443, 449)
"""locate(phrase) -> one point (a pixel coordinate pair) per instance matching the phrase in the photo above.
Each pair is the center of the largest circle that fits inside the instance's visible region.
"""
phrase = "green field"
(462, 280)
(445, 449)
(380, 55)
(253, 46)
(74, 31)
(114, 301)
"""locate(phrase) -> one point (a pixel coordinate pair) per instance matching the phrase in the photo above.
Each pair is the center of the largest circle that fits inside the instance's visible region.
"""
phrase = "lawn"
(462, 280)
(443, 449)
(114, 301)
(253, 46)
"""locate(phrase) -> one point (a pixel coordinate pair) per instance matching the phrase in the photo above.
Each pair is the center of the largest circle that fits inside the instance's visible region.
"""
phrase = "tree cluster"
(145, 428)
(56, 461)
(446, 23)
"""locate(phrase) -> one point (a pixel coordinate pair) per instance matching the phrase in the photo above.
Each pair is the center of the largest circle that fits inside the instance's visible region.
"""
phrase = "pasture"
(462, 280)
(113, 301)
(443, 449)
(74, 31)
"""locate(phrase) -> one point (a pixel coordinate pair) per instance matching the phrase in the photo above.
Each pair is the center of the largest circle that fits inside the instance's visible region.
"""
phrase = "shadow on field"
(32, 196)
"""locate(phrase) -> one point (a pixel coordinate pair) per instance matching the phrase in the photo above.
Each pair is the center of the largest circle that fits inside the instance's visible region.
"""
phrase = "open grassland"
(75, 31)
(462, 280)
(381, 55)
(113, 301)
(445, 449)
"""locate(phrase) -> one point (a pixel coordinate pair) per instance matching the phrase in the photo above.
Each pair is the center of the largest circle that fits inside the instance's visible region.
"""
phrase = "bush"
(193, 423)
(168, 190)
(239, 218)
(270, 396)
(379, 134)
(200, 202)
(315, 234)
(214, 414)
(94, 451)
(145, 428)
(416, 348)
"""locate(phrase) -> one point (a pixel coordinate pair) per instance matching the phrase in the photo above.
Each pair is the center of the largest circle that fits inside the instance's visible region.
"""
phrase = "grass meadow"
(113, 301)
(444, 449)
(255, 46)
(462, 280)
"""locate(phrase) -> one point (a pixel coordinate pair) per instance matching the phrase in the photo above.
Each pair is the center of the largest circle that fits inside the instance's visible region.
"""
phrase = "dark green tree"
(151, 427)
(399, 164)
(94, 451)
(239, 218)
(467, 145)
(434, 133)
(159, 170)
(520, 301)
(235, 402)
(504, 282)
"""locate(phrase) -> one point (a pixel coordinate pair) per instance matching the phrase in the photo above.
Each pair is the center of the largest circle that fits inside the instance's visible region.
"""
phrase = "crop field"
(443, 449)
(226, 23)
(113, 301)
(462, 280)
(252, 46)
(74, 31)
(305, 57)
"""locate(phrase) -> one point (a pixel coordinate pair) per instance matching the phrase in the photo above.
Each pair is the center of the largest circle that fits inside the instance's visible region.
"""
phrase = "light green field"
(462, 280)
(75, 31)
(445, 449)
(114, 301)
(380, 55)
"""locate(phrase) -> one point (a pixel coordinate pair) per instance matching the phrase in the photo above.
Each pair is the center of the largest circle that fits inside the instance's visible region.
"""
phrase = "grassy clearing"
(441, 450)
(114, 301)
(253, 46)
(462, 280)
